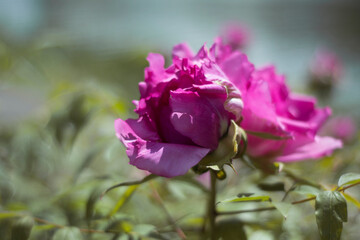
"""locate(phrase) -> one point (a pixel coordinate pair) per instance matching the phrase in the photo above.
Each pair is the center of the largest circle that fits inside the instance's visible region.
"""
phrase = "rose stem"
(211, 205)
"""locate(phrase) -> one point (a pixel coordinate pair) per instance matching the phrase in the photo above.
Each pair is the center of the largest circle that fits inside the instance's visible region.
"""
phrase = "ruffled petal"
(238, 69)
(259, 111)
(320, 147)
(163, 159)
(182, 50)
(166, 159)
(154, 74)
(303, 109)
(198, 118)
(132, 129)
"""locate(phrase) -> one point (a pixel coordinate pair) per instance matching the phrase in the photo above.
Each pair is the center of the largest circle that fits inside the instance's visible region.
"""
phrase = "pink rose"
(190, 112)
(289, 122)
(184, 110)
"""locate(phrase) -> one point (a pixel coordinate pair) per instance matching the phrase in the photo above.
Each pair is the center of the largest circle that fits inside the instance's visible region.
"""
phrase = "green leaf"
(123, 199)
(90, 204)
(248, 199)
(89, 157)
(308, 190)
(119, 226)
(44, 227)
(144, 229)
(330, 212)
(67, 234)
(21, 229)
(230, 229)
(351, 199)
(276, 186)
(349, 178)
(282, 207)
(145, 179)
(4, 215)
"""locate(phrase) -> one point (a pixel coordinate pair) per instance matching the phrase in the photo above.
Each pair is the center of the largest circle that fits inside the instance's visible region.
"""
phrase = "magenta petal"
(238, 69)
(166, 159)
(259, 111)
(132, 129)
(156, 62)
(302, 108)
(182, 50)
(320, 147)
(163, 159)
(211, 90)
(198, 118)
(154, 74)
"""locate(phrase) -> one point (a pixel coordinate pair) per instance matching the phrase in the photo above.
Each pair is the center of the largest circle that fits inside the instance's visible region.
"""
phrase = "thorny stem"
(274, 208)
(211, 205)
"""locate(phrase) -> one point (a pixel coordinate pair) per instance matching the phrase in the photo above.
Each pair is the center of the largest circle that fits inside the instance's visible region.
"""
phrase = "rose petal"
(154, 74)
(182, 50)
(163, 159)
(131, 129)
(166, 159)
(320, 147)
(302, 108)
(238, 69)
(198, 118)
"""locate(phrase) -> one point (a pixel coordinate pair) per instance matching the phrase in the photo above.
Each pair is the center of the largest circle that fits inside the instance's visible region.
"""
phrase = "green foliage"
(230, 229)
(58, 158)
(283, 208)
(68, 233)
(248, 199)
(21, 229)
(145, 179)
(331, 212)
(349, 178)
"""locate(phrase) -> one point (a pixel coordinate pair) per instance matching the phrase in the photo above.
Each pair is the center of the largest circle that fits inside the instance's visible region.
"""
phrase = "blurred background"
(69, 68)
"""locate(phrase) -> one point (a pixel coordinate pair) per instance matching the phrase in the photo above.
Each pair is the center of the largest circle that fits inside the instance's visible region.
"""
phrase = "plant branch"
(211, 205)
(342, 189)
(274, 208)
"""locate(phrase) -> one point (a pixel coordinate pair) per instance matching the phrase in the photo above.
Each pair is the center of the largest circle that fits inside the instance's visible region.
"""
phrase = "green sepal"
(227, 149)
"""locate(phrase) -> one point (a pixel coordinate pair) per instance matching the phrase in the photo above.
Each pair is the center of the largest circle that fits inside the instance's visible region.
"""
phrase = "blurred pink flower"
(236, 35)
(343, 127)
(325, 69)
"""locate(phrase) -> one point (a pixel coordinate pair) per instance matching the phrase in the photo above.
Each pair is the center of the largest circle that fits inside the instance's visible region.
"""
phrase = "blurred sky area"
(285, 33)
